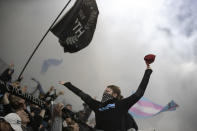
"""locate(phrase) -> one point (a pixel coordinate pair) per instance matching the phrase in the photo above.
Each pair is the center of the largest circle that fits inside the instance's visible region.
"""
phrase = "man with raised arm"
(111, 113)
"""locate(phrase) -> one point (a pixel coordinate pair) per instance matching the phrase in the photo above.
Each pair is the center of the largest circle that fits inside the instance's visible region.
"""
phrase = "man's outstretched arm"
(85, 97)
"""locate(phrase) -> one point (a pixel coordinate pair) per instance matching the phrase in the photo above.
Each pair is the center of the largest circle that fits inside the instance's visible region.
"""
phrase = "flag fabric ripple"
(145, 108)
(50, 62)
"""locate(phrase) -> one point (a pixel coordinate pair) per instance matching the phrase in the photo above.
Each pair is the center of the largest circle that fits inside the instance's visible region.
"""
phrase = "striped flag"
(145, 108)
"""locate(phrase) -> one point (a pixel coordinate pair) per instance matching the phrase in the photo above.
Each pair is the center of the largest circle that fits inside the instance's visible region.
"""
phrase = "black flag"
(76, 29)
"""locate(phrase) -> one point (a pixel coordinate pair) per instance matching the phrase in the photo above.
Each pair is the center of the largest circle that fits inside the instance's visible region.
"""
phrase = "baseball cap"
(14, 120)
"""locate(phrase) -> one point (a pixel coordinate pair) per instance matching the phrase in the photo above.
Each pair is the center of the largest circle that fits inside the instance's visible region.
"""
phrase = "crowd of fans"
(18, 114)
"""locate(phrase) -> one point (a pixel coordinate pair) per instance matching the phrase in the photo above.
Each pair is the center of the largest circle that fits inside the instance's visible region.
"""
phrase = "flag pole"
(43, 39)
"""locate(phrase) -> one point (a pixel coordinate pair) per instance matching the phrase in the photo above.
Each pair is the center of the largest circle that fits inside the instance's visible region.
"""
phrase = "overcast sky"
(126, 31)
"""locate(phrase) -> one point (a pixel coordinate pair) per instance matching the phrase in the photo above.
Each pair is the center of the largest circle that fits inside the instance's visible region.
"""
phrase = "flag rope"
(43, 39)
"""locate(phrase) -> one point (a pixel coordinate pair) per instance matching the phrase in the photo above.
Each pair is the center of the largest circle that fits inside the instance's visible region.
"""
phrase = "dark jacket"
(6, 76)
(110, 115)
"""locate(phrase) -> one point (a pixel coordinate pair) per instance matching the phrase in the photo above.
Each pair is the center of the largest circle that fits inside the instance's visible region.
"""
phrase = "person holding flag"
(111, 113)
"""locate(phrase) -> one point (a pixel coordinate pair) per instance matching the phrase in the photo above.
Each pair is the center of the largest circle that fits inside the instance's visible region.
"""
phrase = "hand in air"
(150, 58)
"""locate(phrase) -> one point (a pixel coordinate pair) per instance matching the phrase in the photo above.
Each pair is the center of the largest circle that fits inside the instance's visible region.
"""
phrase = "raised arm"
(85, 97)
(131, 100)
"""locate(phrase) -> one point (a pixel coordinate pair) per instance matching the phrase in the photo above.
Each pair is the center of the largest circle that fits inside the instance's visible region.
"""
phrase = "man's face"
(18, 102)
(24, 116)
(109, 91)
(22, 102)
(68, 120)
